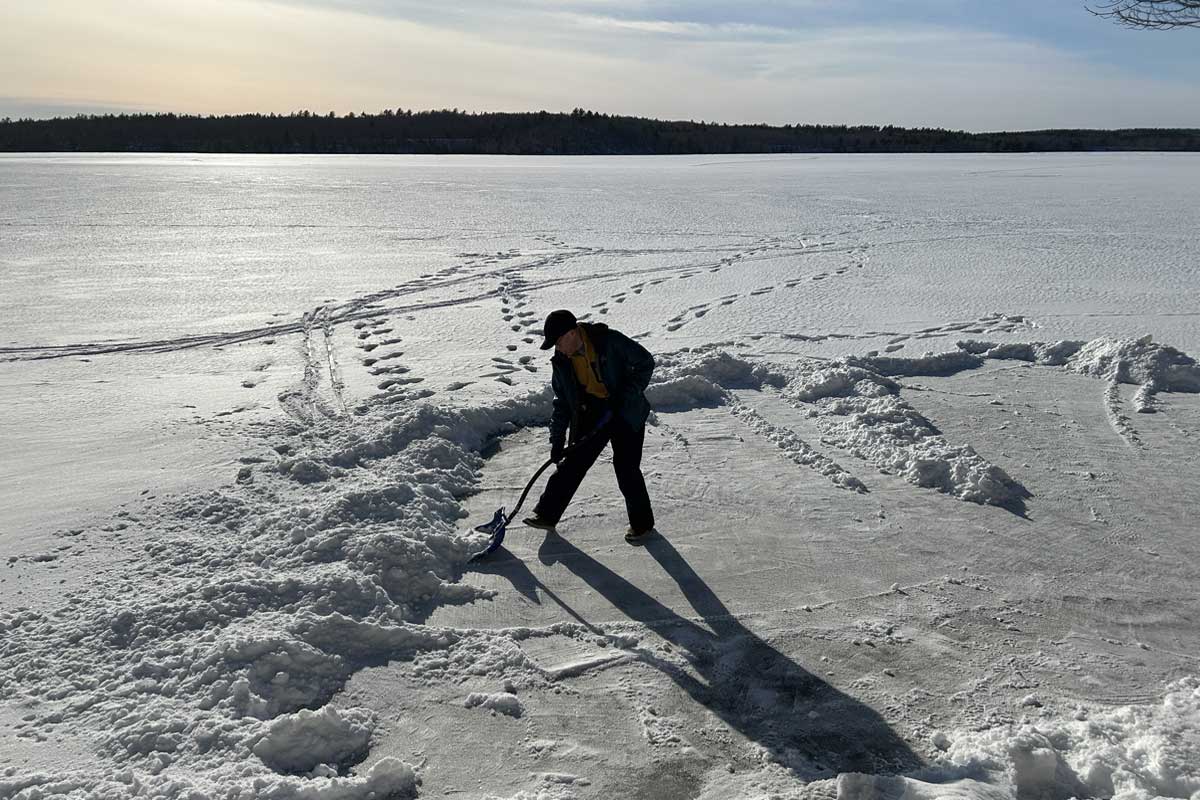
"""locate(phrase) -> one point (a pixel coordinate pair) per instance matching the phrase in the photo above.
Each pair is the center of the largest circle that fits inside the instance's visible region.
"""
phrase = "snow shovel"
(500, 520)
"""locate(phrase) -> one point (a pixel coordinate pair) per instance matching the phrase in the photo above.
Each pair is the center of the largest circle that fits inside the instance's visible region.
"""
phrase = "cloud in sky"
(948, 63)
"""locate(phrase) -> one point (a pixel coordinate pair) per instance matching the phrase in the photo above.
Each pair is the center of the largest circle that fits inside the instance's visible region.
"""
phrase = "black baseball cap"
(557, 323)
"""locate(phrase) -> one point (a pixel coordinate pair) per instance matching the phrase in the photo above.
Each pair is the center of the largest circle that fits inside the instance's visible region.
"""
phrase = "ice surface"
(912, 543)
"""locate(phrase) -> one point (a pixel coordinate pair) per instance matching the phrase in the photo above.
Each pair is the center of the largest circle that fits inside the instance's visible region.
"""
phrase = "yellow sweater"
(586, 370)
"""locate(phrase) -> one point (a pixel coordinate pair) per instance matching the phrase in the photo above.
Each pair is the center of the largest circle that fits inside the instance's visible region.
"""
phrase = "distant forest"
(537, 133)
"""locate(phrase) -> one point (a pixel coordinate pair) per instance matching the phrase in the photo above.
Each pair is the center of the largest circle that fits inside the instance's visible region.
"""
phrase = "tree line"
(580, 132)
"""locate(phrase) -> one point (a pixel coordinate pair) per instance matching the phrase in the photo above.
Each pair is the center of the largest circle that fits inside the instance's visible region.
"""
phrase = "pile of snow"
(860, 411)
(1128, 752)
(307, 740)
(1050, 354)
(946, 363)
(1153, 367)
(387, 778)
(701, 376)
(501, 702)
(1158, 368)
(207, 668)
(857, 408)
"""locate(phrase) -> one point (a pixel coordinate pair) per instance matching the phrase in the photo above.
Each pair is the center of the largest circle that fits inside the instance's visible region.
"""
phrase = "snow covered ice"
(921, 534)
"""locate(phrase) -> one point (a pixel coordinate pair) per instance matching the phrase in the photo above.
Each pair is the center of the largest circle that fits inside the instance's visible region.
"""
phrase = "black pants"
(627, 463)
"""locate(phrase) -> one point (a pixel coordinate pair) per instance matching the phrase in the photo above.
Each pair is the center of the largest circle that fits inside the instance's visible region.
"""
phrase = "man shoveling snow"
(600, 378)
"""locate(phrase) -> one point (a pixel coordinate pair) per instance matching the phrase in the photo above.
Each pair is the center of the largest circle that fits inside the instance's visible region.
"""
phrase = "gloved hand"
(556, 451)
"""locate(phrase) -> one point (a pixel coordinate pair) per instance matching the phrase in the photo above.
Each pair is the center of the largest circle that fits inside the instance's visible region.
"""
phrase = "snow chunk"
(300, 742)
(502, 702)
(305, 470)
(682, 393)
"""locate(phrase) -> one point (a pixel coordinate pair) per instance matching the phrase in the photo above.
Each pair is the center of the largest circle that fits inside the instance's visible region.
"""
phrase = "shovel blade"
(495, 529)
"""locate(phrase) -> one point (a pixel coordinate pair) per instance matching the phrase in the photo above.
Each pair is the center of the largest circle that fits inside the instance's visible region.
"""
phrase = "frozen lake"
(181, 332)
(107, 253)
(145, 247)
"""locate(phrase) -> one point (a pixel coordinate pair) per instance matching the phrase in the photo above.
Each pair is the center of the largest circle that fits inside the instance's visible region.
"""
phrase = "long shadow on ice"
(504, 563)
(803, 722)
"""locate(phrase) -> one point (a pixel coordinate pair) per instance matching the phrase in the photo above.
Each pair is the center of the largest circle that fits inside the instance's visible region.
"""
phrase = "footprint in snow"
(394, 382)
(394, 369)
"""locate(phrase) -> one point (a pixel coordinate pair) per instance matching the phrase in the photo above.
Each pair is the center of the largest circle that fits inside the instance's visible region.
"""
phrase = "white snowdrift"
(388, 777)
(1127, 752)
(857, 408)
(253, 607)
(860, 411)
(701, 376)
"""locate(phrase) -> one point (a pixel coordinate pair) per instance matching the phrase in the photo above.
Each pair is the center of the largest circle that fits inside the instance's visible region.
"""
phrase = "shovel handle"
(604, 420)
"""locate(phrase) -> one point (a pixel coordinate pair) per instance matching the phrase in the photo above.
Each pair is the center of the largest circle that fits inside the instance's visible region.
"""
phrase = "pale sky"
(971, 64)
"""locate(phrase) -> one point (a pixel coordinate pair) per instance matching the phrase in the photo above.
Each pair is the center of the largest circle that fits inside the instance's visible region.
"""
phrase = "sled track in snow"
(304, 401)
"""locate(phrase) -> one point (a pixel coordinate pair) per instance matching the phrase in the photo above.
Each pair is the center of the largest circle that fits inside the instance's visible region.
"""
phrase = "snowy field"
(923, 459)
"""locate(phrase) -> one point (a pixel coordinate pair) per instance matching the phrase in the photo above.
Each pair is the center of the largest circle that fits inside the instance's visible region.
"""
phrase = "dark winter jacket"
(625, 368)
